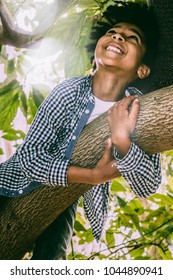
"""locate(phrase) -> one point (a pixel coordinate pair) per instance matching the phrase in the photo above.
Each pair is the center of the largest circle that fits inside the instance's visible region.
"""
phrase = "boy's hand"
(122, 123)
(105, 169)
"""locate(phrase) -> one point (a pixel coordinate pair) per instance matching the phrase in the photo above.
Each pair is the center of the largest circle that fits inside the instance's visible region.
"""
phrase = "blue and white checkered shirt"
(44, 156)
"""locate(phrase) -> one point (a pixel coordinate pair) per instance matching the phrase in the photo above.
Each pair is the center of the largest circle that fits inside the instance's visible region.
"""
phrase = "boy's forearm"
(89, 176)
(142, 172)
(122, 146)
(80, 175)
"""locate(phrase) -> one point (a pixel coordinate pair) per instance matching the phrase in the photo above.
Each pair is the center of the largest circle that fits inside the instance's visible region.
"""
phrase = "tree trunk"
(23, 219)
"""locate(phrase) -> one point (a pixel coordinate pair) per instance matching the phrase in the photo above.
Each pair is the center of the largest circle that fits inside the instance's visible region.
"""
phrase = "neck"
(108, 86)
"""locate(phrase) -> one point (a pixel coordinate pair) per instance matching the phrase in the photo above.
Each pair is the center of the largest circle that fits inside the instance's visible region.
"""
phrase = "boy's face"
(123, 48)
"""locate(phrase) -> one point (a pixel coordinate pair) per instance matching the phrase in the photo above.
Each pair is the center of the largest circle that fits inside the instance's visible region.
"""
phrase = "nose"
(118, 37)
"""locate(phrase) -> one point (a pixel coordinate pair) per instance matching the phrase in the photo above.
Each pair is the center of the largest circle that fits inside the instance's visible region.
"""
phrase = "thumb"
(108, 150)
(108, 144)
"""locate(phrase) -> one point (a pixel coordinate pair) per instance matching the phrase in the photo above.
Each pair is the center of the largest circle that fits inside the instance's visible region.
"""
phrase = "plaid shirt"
(44, 156)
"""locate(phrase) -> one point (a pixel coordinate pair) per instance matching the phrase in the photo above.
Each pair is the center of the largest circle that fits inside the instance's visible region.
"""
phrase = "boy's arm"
(142, 172)
(39, 163)
(103, 172)
(38, 160)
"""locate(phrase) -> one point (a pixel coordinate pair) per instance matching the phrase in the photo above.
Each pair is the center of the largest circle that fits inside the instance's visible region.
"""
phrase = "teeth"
(114, 49)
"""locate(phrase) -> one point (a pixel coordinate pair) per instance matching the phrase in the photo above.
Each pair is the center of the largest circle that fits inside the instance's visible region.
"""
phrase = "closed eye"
(111, 31)
(133, 37)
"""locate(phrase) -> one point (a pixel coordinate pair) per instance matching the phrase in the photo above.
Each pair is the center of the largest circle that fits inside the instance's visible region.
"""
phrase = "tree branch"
(10, 34)
(30, 215)
(136, 243)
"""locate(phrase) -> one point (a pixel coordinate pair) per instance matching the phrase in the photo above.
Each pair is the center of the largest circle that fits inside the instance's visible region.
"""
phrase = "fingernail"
(136, 100)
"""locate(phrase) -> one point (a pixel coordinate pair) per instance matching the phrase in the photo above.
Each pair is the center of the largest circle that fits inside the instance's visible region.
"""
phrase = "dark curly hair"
(139, 14)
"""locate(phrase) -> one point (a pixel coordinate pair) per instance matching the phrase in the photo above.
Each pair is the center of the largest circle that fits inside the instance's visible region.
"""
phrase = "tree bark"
(12, 35)
(23, 219)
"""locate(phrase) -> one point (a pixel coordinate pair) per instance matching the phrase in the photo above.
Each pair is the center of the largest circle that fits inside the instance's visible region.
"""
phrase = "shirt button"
(74, 137)
(87, 111)
(20, 192)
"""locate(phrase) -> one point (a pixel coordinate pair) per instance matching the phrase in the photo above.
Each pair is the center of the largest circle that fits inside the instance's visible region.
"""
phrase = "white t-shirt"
(100, 107)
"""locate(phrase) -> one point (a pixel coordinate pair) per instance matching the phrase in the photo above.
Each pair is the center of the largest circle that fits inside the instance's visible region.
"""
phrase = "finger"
(108, 150)
(126, 102)
(109, 144)
(110, 110)
(133, 115)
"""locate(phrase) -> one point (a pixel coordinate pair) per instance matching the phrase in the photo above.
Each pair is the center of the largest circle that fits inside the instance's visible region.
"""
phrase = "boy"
(123, 55)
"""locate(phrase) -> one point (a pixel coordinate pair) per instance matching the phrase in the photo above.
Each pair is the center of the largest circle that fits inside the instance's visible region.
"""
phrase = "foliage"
(136, 228)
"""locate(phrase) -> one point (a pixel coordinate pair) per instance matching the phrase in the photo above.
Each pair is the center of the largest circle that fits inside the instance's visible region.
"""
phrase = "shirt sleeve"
(142, 172)
(38, 162)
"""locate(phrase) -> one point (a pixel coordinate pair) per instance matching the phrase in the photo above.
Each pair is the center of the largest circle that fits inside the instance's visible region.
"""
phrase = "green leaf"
(142, 258)
(161, 199)
(168, 153)
(121, 202)
(131, 214)
(124, 220)
(10, 67)
(136, 206)
(117, 187)
(110, 239)
(155, 213)
(77, 256)
(13, 85)
(1, 151)
(79, 217)
(76, 57)
(76, 62)
(85, 236)
(8, 107)
(166, 231)
(23, 103)
(163, 254)
(169, 171)
(99, 256)
(136, 222)
(32, 109)
(12, 134)
(79, 227)
(136, 253)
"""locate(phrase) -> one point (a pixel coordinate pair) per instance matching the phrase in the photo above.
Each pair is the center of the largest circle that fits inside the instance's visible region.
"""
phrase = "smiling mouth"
(114, 49)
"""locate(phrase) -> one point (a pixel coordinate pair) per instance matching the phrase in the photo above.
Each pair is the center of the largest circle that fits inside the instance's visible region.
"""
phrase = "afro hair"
(139, 14)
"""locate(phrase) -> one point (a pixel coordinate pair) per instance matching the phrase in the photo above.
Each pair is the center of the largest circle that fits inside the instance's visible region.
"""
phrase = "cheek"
(98, 48)
(99, 43)
(136, 56)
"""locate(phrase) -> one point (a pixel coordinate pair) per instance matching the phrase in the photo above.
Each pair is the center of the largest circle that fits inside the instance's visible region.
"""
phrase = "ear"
(143, 71)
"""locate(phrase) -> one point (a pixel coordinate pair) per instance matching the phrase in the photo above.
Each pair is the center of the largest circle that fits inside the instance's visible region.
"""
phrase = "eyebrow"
(133, 30)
